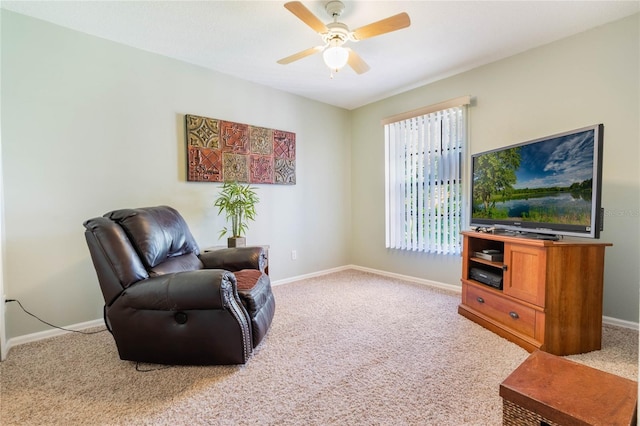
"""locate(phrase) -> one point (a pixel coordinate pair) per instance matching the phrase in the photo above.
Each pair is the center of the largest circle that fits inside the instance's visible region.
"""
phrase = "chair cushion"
(254, 292)
(247, 278)
(186, 262)
(157, 233)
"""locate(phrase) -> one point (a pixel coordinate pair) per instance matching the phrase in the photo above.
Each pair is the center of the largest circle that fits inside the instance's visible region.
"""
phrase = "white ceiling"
(246, 38)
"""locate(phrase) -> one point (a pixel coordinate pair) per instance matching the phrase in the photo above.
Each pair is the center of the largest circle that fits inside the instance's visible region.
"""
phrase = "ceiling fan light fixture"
(335, 57)
(336, 33)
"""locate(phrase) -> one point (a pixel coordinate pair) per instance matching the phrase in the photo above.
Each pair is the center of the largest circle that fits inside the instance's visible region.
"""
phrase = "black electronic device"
(491, 251)
(486, 277)
(493, 255)
(549, 186)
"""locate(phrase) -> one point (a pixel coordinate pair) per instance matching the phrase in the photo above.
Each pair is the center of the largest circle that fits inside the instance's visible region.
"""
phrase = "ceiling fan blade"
(306, 16)
(357, 63)
(300, 55)
(392, 23)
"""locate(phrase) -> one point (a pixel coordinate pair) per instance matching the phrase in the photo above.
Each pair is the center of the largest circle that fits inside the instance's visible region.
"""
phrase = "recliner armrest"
(201, 289)
(235, 259)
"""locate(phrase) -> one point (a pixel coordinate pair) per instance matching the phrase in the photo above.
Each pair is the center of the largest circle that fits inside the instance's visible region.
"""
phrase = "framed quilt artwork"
(220, 151)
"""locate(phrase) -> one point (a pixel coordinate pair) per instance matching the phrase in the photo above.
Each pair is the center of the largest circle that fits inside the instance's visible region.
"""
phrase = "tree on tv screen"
(495, 174)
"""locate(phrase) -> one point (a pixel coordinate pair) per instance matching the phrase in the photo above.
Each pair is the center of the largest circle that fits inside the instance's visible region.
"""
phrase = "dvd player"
(485, 277)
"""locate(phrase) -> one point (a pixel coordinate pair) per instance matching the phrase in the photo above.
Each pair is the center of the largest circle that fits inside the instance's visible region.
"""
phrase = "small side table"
(264, 247)
(550, 390)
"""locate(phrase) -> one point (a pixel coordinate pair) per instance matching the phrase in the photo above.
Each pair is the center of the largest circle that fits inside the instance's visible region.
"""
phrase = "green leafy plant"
(238, 202)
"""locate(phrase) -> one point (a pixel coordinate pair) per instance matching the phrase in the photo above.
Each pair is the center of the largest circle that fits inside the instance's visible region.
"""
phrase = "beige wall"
(89, 126)
(590, 78)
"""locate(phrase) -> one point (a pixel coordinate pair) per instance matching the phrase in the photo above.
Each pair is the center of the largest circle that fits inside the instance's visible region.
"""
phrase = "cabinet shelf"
(551, 298)
(498, 265)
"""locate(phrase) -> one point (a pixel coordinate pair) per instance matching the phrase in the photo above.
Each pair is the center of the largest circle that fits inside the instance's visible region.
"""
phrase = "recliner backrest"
(161, 237)
(130, 245)
(116, 261)
(156, 233)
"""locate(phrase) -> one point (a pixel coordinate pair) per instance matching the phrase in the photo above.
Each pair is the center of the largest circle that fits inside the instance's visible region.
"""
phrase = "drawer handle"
(514, 315)
(480, 300)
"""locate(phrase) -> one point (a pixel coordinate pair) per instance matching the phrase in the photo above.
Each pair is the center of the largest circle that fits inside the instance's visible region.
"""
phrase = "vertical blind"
(424, 181)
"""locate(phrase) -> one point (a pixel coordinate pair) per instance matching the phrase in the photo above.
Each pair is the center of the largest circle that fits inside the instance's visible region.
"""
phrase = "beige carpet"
(350, 348)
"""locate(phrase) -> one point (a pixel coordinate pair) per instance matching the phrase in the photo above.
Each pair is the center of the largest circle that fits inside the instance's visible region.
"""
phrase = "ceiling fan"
(336, 34)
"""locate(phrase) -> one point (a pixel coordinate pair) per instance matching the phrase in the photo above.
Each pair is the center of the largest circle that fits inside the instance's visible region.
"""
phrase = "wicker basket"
(514, 415)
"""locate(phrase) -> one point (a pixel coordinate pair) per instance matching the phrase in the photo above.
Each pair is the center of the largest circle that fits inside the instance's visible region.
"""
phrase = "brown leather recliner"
(167, 303)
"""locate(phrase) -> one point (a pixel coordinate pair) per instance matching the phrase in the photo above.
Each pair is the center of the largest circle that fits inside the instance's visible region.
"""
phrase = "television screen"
(547, 186)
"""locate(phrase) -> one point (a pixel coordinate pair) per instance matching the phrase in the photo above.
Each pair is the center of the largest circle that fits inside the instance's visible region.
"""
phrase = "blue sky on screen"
(558, 162)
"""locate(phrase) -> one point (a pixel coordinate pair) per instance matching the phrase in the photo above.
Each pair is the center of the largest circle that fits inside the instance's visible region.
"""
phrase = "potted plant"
(238, 202)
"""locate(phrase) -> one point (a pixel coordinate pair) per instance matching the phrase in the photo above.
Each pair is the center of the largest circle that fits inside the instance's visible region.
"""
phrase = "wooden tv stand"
(551, 295)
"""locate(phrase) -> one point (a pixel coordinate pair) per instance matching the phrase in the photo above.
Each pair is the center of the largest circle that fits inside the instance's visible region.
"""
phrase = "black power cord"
(49, 324)
(139, 368)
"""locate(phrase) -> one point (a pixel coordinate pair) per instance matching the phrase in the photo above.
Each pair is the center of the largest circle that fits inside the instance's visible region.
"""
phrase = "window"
(424, 159)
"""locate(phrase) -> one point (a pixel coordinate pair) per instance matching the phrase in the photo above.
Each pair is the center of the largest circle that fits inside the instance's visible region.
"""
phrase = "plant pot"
(236, 242)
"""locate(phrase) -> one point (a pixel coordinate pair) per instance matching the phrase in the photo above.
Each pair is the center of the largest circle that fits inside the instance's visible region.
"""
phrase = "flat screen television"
(545, 188)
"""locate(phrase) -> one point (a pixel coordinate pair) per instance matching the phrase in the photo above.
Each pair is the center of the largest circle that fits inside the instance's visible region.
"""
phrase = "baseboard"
(620, 323)
(445, 286)
(41, 335)
(99, 322)
(312, 275)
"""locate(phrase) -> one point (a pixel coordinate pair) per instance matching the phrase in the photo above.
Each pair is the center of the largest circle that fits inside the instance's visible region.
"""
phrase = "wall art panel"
(219, 151)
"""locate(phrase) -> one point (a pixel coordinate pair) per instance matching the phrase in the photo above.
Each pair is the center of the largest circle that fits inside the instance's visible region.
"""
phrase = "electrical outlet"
(294, 254)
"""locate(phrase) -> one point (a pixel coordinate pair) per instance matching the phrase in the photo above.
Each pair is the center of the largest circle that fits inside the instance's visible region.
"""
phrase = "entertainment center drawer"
(513, 315)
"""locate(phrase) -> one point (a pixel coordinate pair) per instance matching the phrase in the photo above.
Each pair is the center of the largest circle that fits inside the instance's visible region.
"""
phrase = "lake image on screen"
(546, 181)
